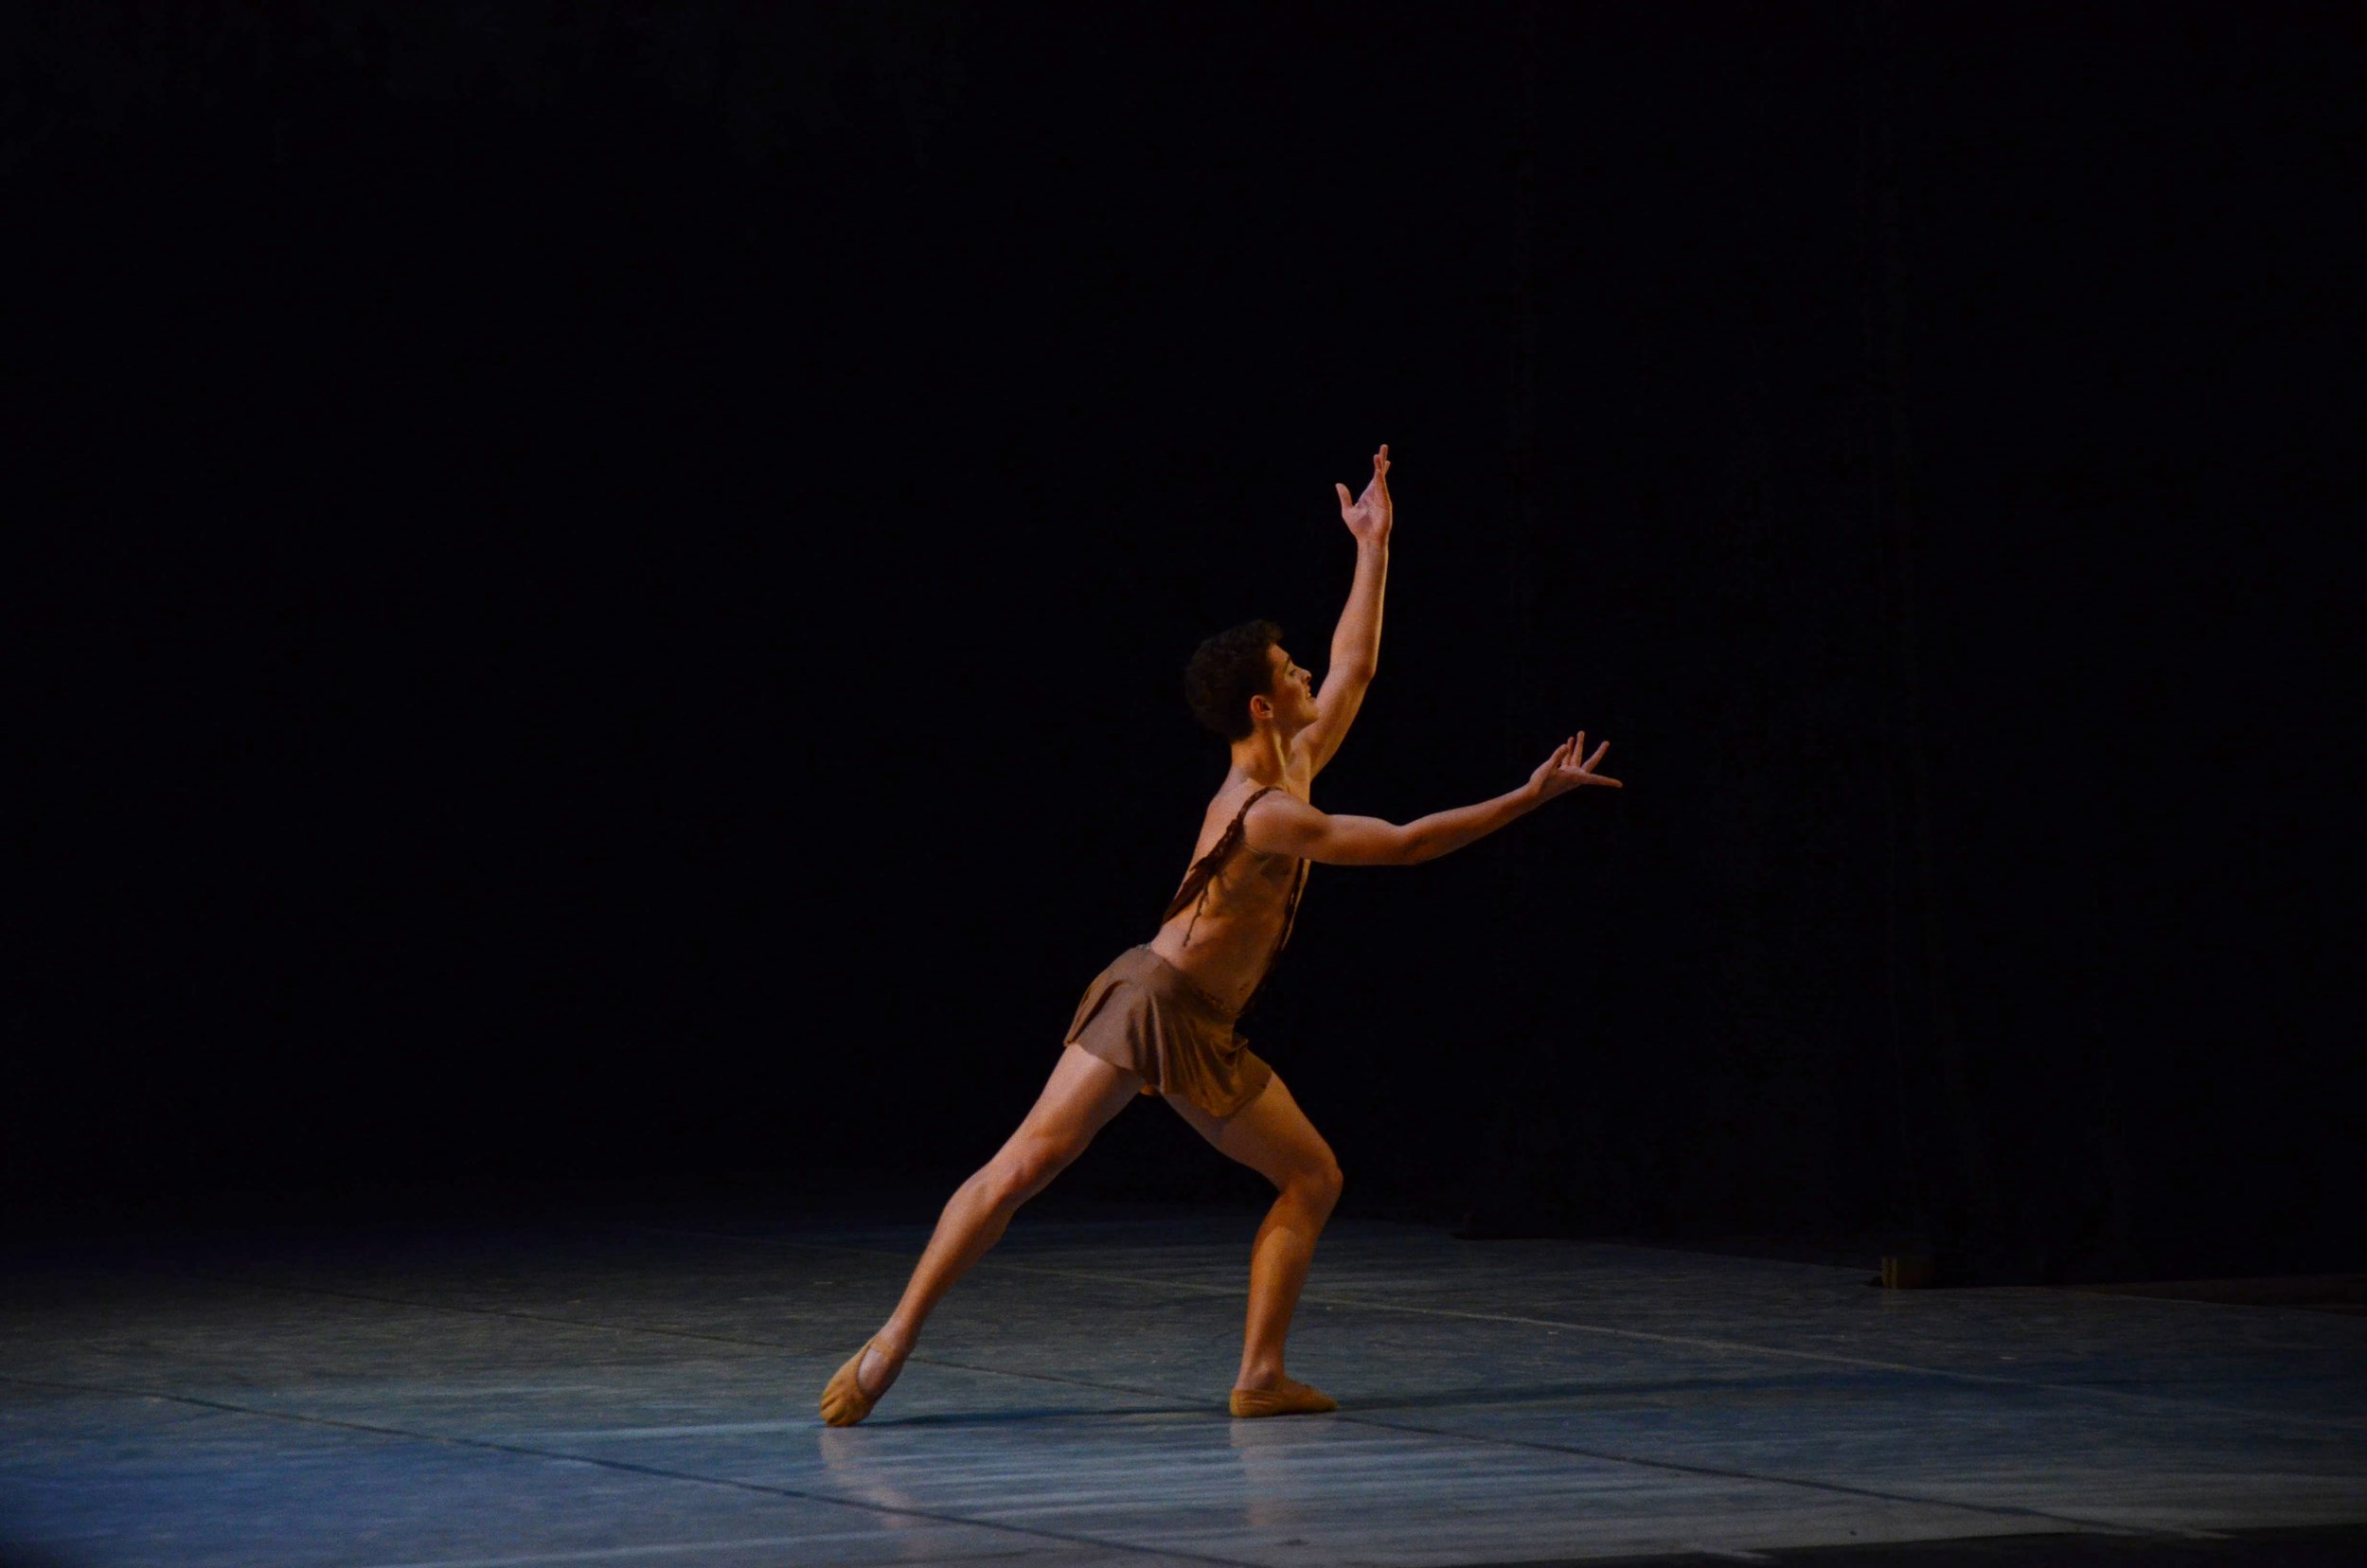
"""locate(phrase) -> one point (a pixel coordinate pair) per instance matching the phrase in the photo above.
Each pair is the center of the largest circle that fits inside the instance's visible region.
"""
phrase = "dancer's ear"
(1260, 709)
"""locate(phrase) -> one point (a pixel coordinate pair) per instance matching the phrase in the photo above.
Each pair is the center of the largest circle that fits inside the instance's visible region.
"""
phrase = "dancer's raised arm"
(1280, 824)
(1355, 642)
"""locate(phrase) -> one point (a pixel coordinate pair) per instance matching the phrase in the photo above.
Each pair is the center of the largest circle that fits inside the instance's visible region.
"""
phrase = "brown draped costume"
(1144, 1014)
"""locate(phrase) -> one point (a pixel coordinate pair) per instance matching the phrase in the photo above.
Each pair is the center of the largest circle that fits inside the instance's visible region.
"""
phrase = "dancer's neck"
(1262, 757)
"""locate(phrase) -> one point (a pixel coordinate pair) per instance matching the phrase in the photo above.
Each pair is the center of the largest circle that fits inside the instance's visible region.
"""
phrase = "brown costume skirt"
(1144, 1014)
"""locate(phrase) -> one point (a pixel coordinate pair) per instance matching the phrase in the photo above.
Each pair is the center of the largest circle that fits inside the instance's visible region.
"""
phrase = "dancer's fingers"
(1597, 756)
(1344, 501)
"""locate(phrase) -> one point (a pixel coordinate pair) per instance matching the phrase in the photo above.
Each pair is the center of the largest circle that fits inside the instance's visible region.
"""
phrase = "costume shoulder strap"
(1204, 870)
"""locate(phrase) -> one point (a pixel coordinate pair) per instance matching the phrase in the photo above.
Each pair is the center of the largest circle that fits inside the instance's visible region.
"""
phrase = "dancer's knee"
(1026, 1169)
(1316, 1187)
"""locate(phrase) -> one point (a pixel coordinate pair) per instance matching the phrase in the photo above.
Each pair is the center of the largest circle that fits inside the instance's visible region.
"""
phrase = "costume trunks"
(1144, 1014)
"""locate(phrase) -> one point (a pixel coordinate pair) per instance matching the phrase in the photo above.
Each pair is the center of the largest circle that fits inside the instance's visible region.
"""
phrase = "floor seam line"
(719, 1339)
(1823, 1357)
(513, 1314)
(626, 1467)
(1711, 1471)
(655, 1549)
(1377, 1424)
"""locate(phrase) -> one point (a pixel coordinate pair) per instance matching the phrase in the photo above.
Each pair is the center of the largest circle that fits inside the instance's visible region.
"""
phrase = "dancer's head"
(1241, 680)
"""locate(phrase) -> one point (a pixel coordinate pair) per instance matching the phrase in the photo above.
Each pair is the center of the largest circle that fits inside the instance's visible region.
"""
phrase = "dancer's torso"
(1226, 938)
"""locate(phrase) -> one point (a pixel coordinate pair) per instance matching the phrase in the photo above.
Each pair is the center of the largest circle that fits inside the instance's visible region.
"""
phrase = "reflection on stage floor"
(640, 1387)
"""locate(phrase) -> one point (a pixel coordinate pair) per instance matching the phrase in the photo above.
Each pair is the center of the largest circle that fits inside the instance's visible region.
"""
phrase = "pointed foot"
(845, 1402)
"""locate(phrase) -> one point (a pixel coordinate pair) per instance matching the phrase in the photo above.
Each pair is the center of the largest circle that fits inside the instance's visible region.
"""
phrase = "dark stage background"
(611, 583)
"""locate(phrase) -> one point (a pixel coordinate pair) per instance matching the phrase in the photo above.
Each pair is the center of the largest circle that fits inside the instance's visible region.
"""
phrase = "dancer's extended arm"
(1280, 824)
(1355, 642)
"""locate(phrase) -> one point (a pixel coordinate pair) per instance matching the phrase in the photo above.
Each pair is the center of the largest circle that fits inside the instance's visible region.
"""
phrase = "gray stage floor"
(642, 1390)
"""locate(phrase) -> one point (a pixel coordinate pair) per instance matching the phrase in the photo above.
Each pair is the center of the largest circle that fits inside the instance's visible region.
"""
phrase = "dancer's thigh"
(1270, 1134)
(1078, 1100)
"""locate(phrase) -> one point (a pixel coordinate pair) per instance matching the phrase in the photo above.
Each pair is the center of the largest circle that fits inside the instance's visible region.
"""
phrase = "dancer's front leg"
(1083, 1093)
(1272, 1136)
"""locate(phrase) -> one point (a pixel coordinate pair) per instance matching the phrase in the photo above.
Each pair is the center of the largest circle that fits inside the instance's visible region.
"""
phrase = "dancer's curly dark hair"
(1226, 671)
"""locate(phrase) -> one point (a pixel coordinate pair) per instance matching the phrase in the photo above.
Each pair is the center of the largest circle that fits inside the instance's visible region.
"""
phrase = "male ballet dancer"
(1160, 1019)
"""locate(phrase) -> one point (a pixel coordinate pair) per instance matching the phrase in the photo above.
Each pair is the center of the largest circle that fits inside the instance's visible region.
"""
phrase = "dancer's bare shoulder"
(1235, 792)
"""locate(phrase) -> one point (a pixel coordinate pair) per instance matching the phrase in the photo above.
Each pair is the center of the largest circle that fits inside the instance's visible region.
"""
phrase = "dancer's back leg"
(1083, 1093)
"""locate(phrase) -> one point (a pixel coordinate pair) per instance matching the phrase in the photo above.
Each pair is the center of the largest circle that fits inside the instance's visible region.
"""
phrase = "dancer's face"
(1290, 696)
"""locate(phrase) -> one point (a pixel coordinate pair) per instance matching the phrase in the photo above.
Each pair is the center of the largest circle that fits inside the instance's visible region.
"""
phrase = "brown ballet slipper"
(844, 1402)
(1284, 1399)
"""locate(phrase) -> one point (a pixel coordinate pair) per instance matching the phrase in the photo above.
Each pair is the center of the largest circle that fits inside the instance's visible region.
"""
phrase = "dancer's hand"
(1562, 771)
(1368, 516)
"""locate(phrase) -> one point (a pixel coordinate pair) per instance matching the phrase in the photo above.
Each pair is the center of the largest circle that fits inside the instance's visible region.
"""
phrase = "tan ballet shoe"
(844, 1402)
(1284, 1399)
